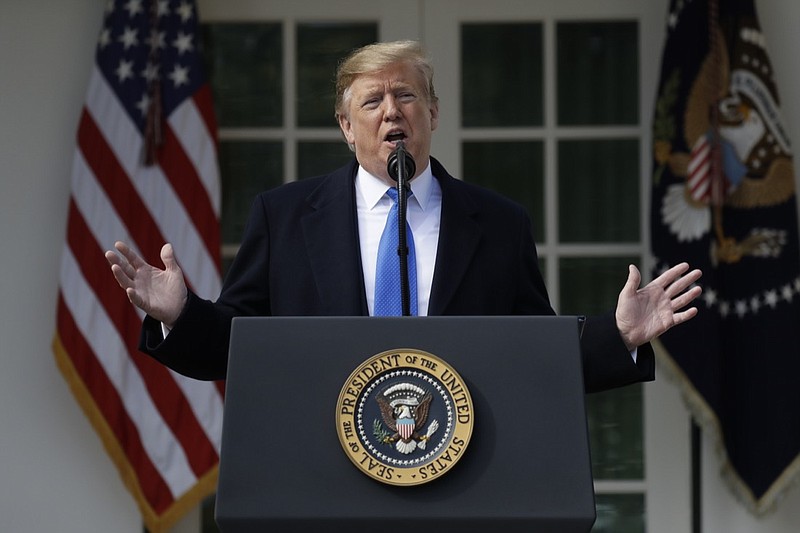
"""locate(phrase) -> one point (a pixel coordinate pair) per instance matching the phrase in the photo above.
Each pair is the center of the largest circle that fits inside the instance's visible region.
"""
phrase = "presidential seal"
(404, 417)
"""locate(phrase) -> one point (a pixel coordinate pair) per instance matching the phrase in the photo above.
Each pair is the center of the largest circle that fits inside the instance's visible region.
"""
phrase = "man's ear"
(434, 107)
(347, 129)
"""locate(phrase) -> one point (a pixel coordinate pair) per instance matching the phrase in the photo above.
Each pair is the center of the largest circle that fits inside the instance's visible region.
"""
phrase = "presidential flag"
(144, 172)
(723, 199)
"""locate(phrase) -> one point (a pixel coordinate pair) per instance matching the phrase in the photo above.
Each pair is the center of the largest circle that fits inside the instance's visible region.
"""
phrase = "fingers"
(670, 275)
(121, 266)
(126, 264)
(134, 298)
(683, 316)
(677, 279)
(168, 257)
(122, 278)
(634, 279)
(680, 285)
(128, 253)
(679, 290)
(129, 261)
(685, 298)
(112, 258)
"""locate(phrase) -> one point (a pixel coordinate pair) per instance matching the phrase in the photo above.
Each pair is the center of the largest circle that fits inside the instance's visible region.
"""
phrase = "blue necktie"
(388, 301)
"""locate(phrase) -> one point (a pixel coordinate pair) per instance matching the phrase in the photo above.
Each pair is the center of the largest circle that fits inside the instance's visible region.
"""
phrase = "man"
(311, 247)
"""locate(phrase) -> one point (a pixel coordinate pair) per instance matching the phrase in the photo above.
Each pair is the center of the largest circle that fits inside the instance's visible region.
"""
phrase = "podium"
(526, 467)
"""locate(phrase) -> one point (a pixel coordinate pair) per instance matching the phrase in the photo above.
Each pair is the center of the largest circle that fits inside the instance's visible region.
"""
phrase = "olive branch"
(383, 436)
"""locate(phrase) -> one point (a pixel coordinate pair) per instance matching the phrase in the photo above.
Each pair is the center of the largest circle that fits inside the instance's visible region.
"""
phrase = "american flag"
(145, 172)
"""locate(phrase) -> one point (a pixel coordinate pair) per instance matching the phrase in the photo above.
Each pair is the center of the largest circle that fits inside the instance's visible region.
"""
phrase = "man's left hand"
(644, 314)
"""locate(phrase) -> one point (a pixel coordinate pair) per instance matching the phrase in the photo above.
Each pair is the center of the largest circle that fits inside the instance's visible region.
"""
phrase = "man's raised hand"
(159, 293)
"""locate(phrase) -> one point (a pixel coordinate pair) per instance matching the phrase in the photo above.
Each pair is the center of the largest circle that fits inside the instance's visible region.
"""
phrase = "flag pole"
(716, 200)
(697, 478)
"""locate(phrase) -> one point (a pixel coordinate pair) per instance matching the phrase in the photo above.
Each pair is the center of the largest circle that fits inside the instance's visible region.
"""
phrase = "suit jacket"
(300, 256)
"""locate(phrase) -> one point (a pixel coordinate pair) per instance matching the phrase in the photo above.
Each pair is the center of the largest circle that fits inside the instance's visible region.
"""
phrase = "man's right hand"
(160, 293)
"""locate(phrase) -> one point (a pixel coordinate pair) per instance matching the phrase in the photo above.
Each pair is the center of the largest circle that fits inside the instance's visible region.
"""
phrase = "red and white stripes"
(162, 429)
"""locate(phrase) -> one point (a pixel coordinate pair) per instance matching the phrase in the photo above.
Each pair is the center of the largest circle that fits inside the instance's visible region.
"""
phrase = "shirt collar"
(372, 189)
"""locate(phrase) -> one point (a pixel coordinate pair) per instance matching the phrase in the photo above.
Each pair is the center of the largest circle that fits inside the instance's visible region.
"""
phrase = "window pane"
(590, 286)
(615, 433)
(514, 169)
(598, 190)
(619, 513)
(247, 168)
(501, 75)
(315, 158)
(320, 47)
(245, 68)
(598, 72)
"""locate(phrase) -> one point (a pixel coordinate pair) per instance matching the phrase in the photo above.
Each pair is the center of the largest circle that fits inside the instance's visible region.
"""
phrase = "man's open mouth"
(395, 136)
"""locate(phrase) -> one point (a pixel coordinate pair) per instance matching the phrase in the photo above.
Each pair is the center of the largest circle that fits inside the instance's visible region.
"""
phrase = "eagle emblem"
(746, 142)
(404, 407)
(404, 417)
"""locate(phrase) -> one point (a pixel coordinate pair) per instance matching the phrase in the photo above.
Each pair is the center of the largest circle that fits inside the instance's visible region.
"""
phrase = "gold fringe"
(154, 522)
(707, 419)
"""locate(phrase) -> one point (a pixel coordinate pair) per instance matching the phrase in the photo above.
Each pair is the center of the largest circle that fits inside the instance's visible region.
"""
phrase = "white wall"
(54, 474)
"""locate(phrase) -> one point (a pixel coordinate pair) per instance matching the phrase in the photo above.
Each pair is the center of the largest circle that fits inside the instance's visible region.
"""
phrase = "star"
(755, 303)
(787, 293)
(179, 75)
(163, 8)
(673, 20)
(710, 297)
(105, 38)
(133, 7)
(150, 72)
(771, 298)
(185, 11)
(724, 308)
(156, 39)
(128, 38)
(144, 104)
(183, 43)
(741, 308)
(124, 70)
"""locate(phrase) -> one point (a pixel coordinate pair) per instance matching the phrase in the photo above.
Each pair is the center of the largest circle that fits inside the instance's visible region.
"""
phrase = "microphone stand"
(400, 166)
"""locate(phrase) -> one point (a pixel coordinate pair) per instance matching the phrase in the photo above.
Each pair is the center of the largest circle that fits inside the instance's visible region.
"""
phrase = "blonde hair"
(376, 57)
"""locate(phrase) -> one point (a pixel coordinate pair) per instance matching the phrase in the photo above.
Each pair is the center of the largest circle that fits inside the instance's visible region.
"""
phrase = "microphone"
(401, 165)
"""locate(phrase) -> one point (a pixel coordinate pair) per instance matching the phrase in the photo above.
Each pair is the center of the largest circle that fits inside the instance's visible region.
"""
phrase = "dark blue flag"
(723, 199)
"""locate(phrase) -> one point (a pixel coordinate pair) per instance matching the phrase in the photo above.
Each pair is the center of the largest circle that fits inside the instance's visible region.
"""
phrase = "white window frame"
(436, 24)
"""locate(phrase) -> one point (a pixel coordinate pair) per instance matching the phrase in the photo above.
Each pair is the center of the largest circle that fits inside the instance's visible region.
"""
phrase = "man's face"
(385, 107)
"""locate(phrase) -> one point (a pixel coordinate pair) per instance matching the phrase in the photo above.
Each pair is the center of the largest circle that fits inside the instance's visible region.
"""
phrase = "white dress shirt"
(423, 215)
